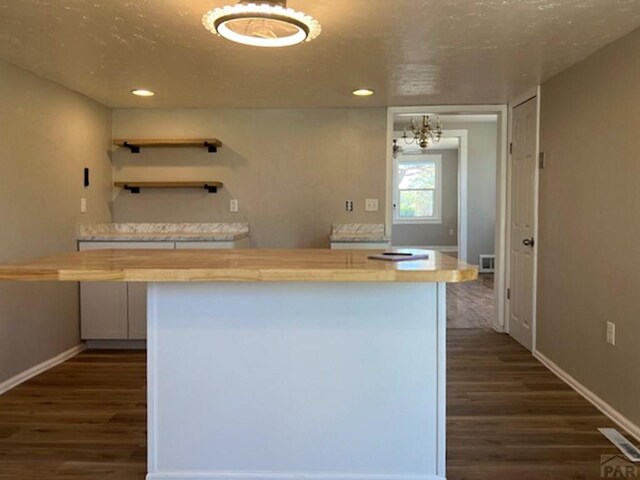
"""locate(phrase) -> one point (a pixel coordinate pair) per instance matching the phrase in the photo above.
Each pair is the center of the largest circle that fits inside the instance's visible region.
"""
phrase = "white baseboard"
(38, 369)
(498, 328)
(282, 476)
(591, 397)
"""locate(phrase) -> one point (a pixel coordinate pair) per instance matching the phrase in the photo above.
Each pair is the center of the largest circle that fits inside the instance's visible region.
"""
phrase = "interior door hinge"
(542, 161)
(508, 294)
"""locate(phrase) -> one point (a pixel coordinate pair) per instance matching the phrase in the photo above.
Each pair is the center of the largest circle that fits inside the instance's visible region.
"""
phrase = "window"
(417, 195)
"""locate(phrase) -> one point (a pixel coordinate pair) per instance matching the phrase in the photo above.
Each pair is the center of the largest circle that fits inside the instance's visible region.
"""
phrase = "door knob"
(529, 242)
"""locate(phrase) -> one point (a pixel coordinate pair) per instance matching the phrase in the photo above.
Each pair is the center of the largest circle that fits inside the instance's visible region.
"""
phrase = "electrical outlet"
(233, 205)
(371, 205)
(611, 333)
(348, 206)
(83, 205)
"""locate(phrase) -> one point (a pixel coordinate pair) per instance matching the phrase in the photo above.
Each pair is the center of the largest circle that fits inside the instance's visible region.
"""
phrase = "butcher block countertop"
(236, 266)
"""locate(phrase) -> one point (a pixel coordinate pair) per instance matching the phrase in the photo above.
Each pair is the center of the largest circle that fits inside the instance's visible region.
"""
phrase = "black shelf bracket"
(212, 148)
(132, 189)
(211, 188)
(133, 148)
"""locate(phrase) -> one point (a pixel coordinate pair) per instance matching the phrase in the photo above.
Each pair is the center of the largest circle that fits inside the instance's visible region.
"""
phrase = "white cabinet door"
(115, 310)
(137, 295)
(103, 305)
(104, 310)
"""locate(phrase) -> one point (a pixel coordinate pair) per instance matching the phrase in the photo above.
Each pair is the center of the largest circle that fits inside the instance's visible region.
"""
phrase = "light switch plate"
(371, 205)
(233, 205)
(611, 333)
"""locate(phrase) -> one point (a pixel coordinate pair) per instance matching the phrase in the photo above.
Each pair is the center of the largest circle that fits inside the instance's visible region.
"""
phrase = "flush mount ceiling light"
(268, 23)
(142, 92)
(363, 92)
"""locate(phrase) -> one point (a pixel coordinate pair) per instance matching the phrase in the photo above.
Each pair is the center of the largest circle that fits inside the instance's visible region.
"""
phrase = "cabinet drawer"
(242, 243)
(83, 246)
(204, 245)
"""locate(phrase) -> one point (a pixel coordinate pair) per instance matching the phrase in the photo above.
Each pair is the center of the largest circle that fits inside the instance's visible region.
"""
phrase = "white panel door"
(522, 222)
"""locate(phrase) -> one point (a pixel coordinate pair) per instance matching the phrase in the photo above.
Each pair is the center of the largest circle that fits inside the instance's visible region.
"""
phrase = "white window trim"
(437, 214)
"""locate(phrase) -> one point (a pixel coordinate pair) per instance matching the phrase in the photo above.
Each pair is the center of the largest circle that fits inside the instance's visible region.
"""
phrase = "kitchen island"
(283, 364)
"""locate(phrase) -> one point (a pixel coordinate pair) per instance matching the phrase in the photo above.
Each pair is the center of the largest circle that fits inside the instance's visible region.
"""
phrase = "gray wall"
(48, 135)
(291, 170)
(481, 186)
(436, 235)
(589, 257)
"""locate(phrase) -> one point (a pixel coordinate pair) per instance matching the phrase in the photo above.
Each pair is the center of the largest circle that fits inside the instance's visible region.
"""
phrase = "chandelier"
(424, 133)
(262, 23)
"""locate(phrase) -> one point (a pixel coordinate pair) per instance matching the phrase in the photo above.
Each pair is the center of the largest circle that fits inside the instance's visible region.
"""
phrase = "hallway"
(471, 304)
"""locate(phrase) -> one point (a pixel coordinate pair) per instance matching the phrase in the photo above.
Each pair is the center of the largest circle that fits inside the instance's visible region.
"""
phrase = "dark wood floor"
(84, 419)
(508, 418)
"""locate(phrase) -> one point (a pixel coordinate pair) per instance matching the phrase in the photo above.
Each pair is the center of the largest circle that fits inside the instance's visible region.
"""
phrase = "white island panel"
(335, 381)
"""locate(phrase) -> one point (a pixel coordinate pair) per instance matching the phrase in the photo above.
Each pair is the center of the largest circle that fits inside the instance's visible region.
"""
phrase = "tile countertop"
(168, 232)
(358, 232)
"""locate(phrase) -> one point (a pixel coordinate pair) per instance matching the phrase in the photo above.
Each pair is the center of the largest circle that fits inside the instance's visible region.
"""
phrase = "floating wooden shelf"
(135, 144)
(134, 187)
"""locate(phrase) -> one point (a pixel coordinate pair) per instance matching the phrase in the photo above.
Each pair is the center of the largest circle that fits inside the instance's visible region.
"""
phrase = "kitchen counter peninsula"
(281, 364)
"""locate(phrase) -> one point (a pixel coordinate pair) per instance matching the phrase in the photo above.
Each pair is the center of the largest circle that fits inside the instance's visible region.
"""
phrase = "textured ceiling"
(412, 52)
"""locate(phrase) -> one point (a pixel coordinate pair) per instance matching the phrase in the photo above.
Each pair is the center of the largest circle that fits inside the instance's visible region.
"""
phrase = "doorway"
(468, 233)
(444, 164)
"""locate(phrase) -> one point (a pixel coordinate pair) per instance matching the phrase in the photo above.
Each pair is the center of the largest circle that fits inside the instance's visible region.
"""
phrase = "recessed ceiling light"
(268, 24)
(142, 92)
(363, 92)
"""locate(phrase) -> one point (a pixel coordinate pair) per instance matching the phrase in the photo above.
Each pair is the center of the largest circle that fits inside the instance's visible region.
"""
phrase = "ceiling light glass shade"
(265, 24)
(143, 92)
(363, 92)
